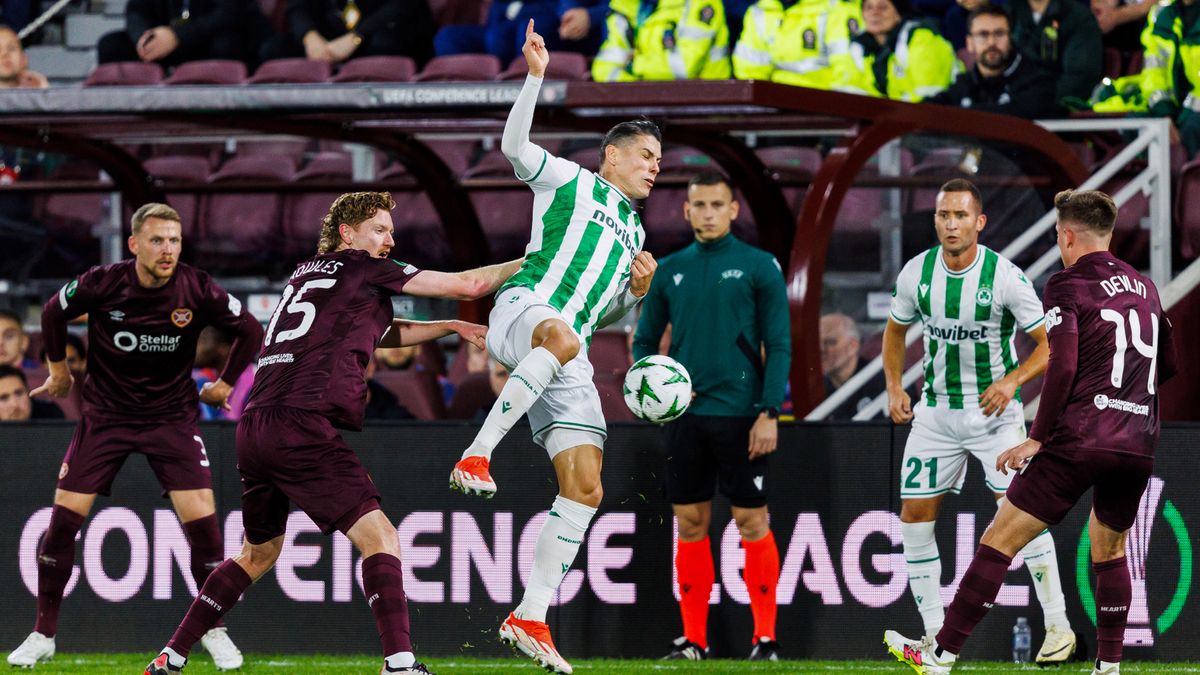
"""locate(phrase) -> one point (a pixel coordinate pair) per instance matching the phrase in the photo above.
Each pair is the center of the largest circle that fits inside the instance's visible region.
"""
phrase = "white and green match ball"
(658, 389)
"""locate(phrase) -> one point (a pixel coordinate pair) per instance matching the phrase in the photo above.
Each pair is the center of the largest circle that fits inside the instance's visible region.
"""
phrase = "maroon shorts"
(290, 454)
(100, 445)
(1055, 480)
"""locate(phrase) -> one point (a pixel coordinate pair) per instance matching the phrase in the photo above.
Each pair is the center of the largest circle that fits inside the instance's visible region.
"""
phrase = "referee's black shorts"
(704, 451)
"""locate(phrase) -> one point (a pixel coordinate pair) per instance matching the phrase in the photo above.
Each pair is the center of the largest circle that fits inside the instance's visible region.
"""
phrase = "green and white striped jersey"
(585, 236)
(969, 320)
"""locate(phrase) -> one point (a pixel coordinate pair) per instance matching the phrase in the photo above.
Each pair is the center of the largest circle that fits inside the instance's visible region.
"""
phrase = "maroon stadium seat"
(242, 229)
(662, 218)
(420, 238)
(461, 68)
(293, 148)
(504, 213)
(181, 169)
(791, 164)
(417, 390)
(124, 73)
(291, 71)
(1187, 210)
(212, 71)
(276, 13)
(612, 400)
(377, 69)
(1130, 242)
(609, 352)
(303, 211)
(564, 66)
(70, 217)
(472, 395)
(447, 12)
(685, 162)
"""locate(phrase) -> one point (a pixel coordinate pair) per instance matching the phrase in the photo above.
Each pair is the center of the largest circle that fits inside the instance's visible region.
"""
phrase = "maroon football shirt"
(334, 310)
(1124, 343)
(142, 341)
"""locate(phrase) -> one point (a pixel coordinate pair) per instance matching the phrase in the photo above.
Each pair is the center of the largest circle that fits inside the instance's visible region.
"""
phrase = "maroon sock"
(383, 584)
(974, 598)
(56, 555)
(208, 549)
(1113, 595)
(221, 590)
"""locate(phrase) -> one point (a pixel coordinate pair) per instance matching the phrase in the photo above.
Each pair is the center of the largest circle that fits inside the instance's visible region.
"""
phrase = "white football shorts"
(568, 412)
(935, 456)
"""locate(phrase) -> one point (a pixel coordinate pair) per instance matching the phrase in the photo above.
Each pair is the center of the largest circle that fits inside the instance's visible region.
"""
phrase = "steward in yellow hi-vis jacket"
(798, 42)
(664, 40)
(901, 59)
(1167, 85)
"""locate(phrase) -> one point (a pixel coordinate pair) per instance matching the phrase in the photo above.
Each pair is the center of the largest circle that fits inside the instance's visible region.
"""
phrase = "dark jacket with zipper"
(1024, 89)
(727, 306)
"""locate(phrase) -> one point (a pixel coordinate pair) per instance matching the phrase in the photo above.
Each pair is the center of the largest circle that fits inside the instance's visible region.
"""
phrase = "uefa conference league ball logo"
(1141, 630)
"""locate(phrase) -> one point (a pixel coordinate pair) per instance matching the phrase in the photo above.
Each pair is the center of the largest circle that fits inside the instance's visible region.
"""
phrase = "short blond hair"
(153, 210)
(352, 209)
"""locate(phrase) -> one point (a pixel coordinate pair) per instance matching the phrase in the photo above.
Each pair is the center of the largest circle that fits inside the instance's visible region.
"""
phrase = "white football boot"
(918, 654)
(532, 638)
(471, 476)
(1057, 648)
(225, 654)
(36, 647)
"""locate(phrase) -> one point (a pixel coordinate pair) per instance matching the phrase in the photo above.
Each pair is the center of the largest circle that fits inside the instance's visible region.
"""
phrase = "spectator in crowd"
(1166, 86)
(1063, 37)
(382, 404)
(76, 357)
(805, 43)
(13, 341)
(1122, 21)
(840, 345)
(1002, 81)
(14, 64)
(568, 25)
(397, 358)
(212, 352)
(337, 30)
(897, 57)
(15, 404)
(169, 33)
(664, 41)
(473, 397)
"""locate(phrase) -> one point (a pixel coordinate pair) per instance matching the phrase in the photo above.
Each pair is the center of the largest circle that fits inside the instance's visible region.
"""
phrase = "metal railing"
(1153, 138)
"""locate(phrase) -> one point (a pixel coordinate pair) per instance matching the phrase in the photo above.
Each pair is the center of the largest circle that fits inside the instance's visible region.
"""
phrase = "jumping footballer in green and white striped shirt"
(970, 301)
(584, 268)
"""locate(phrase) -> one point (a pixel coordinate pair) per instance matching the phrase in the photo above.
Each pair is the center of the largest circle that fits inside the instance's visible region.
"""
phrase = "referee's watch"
(772, 412)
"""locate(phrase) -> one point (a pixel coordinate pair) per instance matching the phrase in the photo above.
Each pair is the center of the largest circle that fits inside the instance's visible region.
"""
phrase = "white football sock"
(1041, 558)
(401, 660)
(524, 386)
(924, 573)
(174, 657)
(556, 547)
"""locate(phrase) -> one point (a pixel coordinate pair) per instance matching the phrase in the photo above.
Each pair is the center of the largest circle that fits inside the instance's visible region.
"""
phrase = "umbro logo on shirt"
(677, 278)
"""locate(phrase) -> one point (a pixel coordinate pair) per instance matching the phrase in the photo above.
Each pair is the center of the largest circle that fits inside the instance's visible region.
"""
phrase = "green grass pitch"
(343, 665)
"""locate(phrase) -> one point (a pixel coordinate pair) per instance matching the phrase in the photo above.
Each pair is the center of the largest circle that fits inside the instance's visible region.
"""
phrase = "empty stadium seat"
(241, 230)
(685, 162)
(211, 71)
(791, 164)
(504, 213)
(124, 73)
(377, 69)
(420, 238)
(447, 12)
(1130, 241)
(181, 169)
(609, 352)
(416, 390)
(564, 66)
(304, 211)
(612, 398)
(70, 217)
(460, 68)
(1187, 210)
(291, 71)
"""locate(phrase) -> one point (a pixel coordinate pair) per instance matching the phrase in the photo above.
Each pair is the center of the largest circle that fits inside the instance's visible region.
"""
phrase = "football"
(658, 389)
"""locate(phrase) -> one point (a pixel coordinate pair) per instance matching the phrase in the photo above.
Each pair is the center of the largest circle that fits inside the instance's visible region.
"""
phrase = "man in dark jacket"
(1002, 81)
(336, 30)
(170, 32)
(1064, 38)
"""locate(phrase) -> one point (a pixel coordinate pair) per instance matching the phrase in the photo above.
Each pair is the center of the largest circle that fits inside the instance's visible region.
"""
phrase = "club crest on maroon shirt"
(181, 317)
(62, 471)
